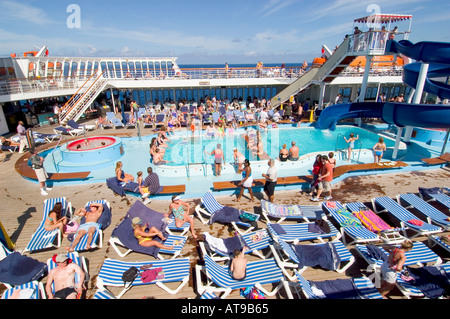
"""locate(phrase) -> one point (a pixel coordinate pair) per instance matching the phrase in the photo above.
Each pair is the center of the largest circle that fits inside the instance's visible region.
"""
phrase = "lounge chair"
(302, 231)
(333, 256)
(76, 259)
(350, 224)
(160, 119)
(419, 255)
(127, 121)
(45, 138)
(103, 294)
(355, 288)
(215, 117)
(434, 240)
(116, 123)
(219, 249)
(75, 126)
(214, 211)
(175, 270)
(123, 237)
(429, 282)
(258, 273)
(281, 212)
(435, 194)
(31, 290)
(97, 238)
(406, 218)
(42, 239)
(374, 223)
(67, 131)
(432, 214)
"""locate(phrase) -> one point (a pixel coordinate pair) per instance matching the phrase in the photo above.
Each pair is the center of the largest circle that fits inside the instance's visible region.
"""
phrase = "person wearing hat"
(63, 279)
(180, 214)
(146, 238)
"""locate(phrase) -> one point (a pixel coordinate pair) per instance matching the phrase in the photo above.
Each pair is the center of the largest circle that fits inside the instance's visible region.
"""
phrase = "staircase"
(338, 61)
(83, 98)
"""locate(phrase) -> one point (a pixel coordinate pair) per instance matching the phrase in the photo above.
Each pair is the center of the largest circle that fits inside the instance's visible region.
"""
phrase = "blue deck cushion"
(17, 269)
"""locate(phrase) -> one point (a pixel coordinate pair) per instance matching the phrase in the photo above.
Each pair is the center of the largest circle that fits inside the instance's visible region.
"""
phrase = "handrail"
(357, 141)
(53, 152)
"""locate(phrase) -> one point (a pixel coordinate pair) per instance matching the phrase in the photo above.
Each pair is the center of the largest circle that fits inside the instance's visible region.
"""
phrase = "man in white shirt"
(271, 180)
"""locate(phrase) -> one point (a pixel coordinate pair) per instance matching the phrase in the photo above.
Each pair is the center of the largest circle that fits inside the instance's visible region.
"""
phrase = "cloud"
(11, 10)
(273, 6)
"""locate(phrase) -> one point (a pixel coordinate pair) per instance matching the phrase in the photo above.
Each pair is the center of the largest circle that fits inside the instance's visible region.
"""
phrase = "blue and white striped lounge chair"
(255, 242)
(103, 294)
(123, 236)
(76, 259)
(404, 216)
(286, 257)
(301, 232)
(75, 126)
(175, 270)
(281, 212)
(408, 288)
(240, 117)
(229, 116)
(442, 198)
(67, 131)
(349, 225)
(432, 214)
(44, 138)
(215, 117)
(258, 273)
(208, 206)
(435, 194)
(127, 121)
(42, 239)
(419, 255)
(208, 295)
(434, 240)
(365, 289)
(388, 235)
(33, 289)
(97, 238)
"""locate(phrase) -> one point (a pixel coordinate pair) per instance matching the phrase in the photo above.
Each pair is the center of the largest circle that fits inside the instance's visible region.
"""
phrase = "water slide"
(437, 54)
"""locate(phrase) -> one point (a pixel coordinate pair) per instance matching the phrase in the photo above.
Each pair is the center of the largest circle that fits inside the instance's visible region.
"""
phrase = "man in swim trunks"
(293, 152)
(89, 226)
(63, 278)
(393, 265)
(284, 154)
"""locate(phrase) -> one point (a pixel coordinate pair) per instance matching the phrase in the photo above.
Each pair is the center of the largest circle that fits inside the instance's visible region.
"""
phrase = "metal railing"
(340, 137)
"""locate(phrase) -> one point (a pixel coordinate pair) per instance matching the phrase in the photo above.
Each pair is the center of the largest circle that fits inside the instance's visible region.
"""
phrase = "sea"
(242, 65)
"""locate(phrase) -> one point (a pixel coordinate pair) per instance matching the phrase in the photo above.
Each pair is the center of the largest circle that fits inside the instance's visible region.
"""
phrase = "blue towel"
(324, 255)
(431, 281)
(226, 215)
(105, 218)
(233, 243)
(278, 229)
(114, 184)
(337, 289)
(376, 252)
(17, 269)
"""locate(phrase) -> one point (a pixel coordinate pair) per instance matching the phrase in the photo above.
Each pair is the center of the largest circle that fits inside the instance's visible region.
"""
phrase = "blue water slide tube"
(400, 114)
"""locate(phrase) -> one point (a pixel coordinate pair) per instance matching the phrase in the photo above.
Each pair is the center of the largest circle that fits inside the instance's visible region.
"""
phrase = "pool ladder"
(344, 150)
(61, 137)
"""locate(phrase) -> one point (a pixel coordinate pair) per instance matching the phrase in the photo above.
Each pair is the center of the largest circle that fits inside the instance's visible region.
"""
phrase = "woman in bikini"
(146, 238)
(180, 214)
(393, 265)
(378, 150)
(54, 219)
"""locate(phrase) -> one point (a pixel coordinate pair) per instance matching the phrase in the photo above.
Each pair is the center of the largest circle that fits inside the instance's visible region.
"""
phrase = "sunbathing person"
(146, 238)
(89, 227)
(238, 265)
(54, 219)
(7, 142)
(63, 278)
(121, 175)
(181, 216)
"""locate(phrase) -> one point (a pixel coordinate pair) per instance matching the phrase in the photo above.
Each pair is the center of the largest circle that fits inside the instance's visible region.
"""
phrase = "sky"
(203, 31)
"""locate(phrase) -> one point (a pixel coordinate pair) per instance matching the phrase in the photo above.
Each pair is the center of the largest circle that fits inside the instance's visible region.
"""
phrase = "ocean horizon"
(237, 65)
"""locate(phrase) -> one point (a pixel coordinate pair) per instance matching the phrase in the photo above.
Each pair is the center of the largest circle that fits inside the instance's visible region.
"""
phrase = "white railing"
(371, 42)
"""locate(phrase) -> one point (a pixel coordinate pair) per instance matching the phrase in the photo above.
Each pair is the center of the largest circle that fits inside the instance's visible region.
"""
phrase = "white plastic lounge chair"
(175, 270)
(45, 138)
(349, 225)
(67, 131)
(30, 290)
(97, 238)
(290, 212)
(77, 259)
(300, 232)
(287, 258)
(432, 214)
(42, 239)
(388, 234)
(258, 273)
(409, 289)
(209, 206)
(404, 216)
(255, 242)
(75, 126)
(363, 285)
(419, 255)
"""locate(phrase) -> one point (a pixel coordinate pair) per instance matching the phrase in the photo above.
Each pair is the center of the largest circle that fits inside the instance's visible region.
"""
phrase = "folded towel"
(324, 255)
(376, 252)
(415, 222)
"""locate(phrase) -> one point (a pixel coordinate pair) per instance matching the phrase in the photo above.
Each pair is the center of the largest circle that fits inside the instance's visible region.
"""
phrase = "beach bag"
(130, 274)
(71, 227)
(252, 293)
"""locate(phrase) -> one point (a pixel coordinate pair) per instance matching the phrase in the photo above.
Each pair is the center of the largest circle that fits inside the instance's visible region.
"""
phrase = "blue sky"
(204, 31)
